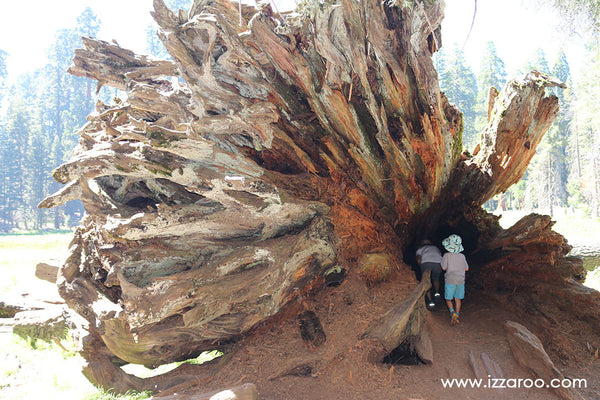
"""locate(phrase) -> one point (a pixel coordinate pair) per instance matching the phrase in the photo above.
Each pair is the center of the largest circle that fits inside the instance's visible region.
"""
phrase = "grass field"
(46, 372)
(19, 254)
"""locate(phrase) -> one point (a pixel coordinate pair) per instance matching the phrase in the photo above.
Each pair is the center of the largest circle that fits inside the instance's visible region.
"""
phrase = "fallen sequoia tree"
(271, 150)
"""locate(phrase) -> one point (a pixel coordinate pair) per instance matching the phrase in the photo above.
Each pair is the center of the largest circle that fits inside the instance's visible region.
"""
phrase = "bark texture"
(264, 154)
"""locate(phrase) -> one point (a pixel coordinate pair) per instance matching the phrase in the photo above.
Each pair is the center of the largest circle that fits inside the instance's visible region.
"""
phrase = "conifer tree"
(459, 83)
(5, 217)
(584, 149)
(3, 71)
(36, 175)
(18, 125)
(154, 46)
(492, 74)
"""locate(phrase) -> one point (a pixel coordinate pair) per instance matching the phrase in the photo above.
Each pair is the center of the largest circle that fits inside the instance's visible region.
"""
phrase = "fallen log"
(264, 154)
(8, 308)
(403, 321)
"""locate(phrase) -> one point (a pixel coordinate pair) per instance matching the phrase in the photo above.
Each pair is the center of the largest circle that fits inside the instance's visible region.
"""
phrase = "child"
(455, 265)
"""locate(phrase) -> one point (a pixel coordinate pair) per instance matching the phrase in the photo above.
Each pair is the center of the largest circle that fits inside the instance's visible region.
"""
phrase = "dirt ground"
(282, 367)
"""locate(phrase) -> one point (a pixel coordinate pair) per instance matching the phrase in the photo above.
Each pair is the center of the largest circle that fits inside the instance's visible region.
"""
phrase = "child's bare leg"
(449, 304)
(458, 304)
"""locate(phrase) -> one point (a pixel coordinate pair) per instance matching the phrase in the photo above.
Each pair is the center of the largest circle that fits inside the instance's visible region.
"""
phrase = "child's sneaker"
(454, 320)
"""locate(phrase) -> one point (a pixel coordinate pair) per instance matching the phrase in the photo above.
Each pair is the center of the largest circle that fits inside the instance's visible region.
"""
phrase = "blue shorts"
(454, 291)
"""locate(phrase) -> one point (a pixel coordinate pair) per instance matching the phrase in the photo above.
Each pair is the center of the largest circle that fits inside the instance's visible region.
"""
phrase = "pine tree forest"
(41, 111)
(564, 172)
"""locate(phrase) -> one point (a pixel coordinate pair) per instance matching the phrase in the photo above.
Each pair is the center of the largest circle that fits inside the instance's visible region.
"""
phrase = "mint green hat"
(453, 244)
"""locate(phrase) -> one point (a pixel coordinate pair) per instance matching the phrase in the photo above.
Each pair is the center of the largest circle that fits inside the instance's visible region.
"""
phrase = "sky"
(517, 27)
(27, 29)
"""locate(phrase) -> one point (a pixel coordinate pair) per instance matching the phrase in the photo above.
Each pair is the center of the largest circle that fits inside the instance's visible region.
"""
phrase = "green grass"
(100, 395)
(36, 369)
(46, 372)
(19, 254)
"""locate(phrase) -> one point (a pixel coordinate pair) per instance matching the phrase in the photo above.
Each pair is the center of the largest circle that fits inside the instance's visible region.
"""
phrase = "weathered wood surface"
(46, 272)
(522, 255)
(289, 144)
(403, 321)
(476, 366)
(529, 352)
(484, 367)
(424, 345)
(590, 254)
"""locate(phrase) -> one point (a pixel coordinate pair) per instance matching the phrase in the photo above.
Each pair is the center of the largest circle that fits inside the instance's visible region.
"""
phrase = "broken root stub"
(311, 329)
(334, 276)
